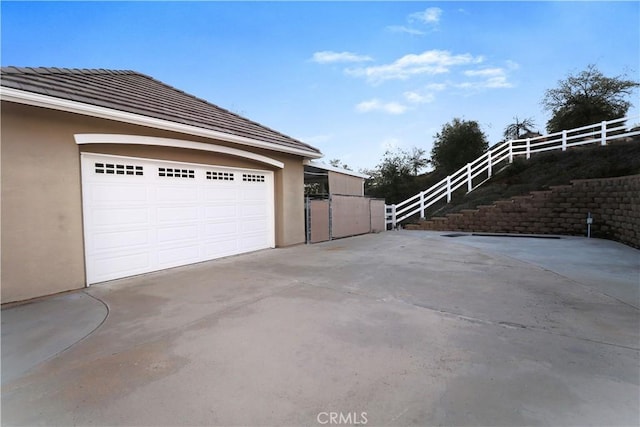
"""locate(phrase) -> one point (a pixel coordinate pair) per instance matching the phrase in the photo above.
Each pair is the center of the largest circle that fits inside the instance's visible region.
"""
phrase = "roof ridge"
(55, 70)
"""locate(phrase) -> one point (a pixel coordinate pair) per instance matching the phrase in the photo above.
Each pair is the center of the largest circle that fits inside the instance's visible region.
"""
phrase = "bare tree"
(337, 163)
(514, 130)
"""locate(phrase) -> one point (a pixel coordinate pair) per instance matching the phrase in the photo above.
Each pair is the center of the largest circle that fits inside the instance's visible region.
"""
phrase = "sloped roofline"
(54, 102)
(330, 168)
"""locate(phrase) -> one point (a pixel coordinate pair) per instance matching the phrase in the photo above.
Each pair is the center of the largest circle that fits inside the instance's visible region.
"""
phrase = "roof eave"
(45, 101)
(335, 169)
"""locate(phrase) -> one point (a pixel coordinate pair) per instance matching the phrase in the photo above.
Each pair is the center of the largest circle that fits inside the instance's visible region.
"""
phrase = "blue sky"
(351, 78)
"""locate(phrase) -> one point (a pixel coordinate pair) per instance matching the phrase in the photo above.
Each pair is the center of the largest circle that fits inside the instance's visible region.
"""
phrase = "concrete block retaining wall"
(614, 204)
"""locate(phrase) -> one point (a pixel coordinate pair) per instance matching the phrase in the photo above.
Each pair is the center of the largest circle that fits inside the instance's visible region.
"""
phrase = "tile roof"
(136, 93)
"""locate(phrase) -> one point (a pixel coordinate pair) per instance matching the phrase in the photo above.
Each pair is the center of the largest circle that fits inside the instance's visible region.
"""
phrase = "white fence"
(600, 133)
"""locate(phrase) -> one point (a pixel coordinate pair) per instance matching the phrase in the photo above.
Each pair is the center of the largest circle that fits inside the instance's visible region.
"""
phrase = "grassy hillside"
(544, 170)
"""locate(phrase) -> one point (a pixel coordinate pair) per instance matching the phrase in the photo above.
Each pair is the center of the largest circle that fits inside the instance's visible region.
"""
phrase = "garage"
(142, 215)
(112, 173)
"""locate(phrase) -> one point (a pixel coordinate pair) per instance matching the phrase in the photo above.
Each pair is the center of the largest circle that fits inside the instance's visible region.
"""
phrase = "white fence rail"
(600, 133)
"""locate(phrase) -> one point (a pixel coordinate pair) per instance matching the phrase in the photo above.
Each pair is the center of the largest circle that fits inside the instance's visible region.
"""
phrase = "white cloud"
(327, 56)
(419, 98)
(428, 16)
(376, 105)
(489, 78)
(403, 29)
(486, 72)
(436, 86)
(430, 62)
(497, 82)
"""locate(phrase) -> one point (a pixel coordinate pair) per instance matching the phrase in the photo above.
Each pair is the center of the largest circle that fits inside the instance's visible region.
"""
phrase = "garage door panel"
(221, 229)
(217, 194)
(177, 214)
(109, 193)
(121, 239)
(252, 226)
(119, 216)
(175, 256)
(226, 211)
(121, 265)
(254, 194)
(176, 194)
(170, 214)
(254, 210)
(251, 243)
(221, 247)
(177, 234)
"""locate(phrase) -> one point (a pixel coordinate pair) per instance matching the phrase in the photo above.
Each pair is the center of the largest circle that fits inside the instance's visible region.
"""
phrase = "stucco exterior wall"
(42, 249)
(345, 184)
(350, 216)
(289, 183)
(42, 235)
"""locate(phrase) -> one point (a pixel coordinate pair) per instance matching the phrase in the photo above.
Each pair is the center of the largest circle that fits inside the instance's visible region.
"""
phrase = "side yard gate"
(343, 216)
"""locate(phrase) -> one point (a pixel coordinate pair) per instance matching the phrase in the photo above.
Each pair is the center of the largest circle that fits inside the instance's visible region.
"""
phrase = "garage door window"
(176, 173)
(118, 169)
(220, 176)
(252, 178)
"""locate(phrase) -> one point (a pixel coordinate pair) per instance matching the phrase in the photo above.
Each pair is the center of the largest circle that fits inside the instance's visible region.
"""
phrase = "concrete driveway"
(399, 328)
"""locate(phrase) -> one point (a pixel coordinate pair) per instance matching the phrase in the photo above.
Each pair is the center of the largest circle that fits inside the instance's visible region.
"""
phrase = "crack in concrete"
(475, 320)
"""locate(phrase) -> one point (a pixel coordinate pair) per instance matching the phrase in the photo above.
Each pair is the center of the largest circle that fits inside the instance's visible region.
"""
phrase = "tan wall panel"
(42, 241)
(290, 202)
(377, 216)
(345, 184)
(319, 220)
(42, 244)
(349, 216)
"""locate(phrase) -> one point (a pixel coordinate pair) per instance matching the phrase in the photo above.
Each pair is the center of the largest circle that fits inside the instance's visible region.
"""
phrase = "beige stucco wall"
(345, 184)
(378, 213)
(350, 216)
(42, 240)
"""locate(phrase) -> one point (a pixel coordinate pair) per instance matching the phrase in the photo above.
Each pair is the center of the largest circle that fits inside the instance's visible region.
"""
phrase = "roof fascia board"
(45, 101)
(102, 138)
(335, 169)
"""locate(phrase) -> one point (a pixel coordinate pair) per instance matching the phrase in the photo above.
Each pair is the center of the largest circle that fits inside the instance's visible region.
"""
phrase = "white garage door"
(143, 215)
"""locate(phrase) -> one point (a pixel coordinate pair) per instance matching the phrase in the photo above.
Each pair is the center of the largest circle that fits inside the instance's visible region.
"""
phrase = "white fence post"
(448, 188)
(393, 216)
(603, 140)
(489, 165)
(422, 205)
(511, 151)
(564, 140)
(528, 148)
(469, 182)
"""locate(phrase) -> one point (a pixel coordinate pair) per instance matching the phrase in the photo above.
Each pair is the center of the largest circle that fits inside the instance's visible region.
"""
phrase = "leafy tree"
(514, 130)
(457, 144)
(586, 98)
(394, 179)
